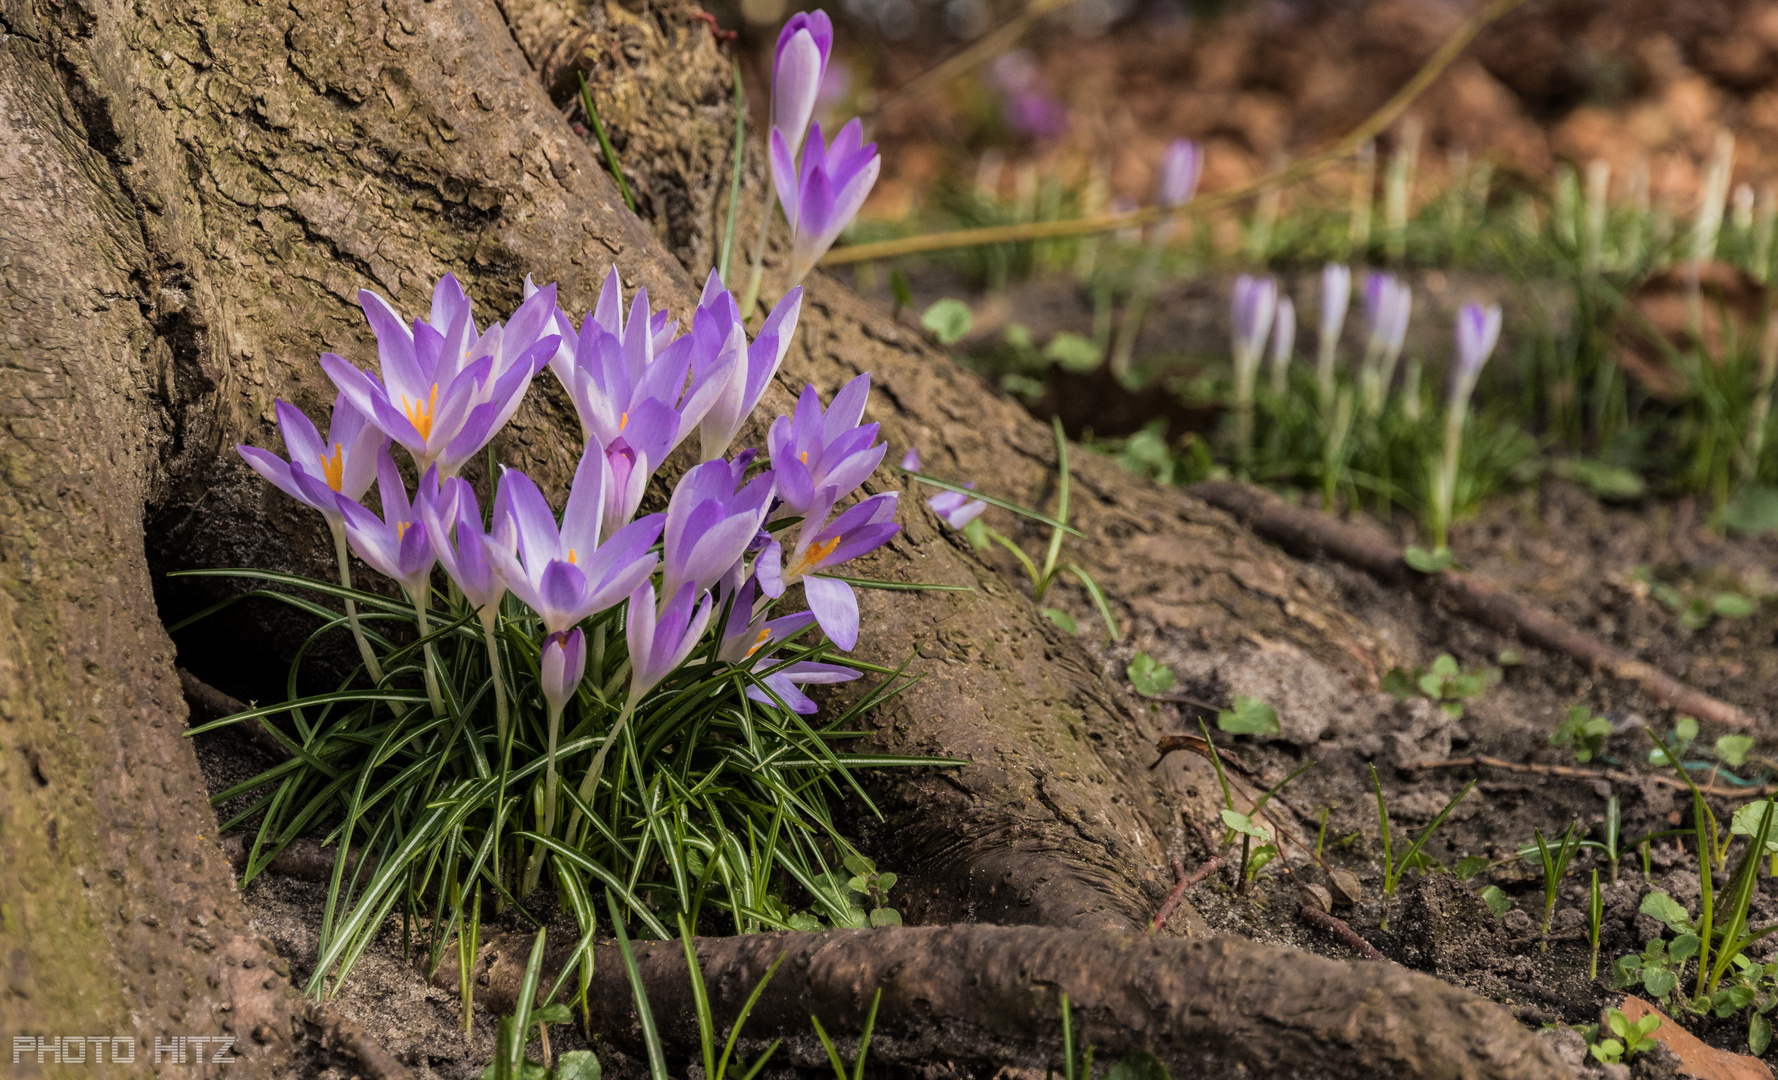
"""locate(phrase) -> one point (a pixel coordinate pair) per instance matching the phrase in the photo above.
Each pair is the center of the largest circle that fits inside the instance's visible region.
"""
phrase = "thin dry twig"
(1185, 882)
(1043, 230)
(1311, 532)
(1336, 926)
(1569, 771)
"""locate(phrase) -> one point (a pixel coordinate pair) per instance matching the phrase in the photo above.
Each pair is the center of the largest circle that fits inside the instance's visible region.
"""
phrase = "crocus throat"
(334, 468)
(811, 558)
(419, 413)
(759, 643)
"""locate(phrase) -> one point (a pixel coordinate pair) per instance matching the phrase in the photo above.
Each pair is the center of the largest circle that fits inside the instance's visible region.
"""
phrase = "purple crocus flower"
(1181, 166)
(1255, 301)
(710, 523)
(659, 643)
(911, 460)
(1029, 107)
(1283, 342)
(821, 198)
(716, 327)
(446, 390)
(798, 66)
(859, 530)
(566, 574)
(319, 469)
(956, 508)
(813, 451)
(786, 679)
(1387, 303)
(395, 545)
(1478, 331)
(561, 666)
(745, 634)
(453, 523)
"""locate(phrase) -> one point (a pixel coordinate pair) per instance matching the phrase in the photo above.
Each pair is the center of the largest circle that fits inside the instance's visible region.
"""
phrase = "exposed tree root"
(992, 995)
(1309, 532)
(343, 1036)
(1753, 792)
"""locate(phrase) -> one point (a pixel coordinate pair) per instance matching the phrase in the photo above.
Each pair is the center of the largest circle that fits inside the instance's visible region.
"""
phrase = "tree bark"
(195, 190)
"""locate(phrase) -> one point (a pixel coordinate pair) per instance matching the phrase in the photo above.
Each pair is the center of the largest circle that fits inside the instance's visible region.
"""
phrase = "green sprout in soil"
(1393, 869)
(1445, 682)
(1588, 734)
(833, 1053)
(1595, 916)
(1555, 867)
(1632, 1037)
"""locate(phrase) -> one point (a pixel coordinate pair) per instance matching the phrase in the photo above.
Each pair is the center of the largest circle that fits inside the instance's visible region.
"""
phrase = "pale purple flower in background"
(1255, 301)
(453, 523)
(714, 327)
(859, 530)
(955, 508)
(911, 460)
(815, 452)
(711, 519)
(566, 573)
(561, 666)
(799, 66)
(836, 87)
(659, 643)
(394, 545)
(1387, 303)
(446, 389)
(822, 195)
(1181, 167)
(1478, 331)
(1336, 296)
(1283, 342)
(1030, 109)
(344, 463)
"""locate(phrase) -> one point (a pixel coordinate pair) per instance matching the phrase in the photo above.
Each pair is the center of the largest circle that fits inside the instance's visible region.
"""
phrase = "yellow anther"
(804, 456)
(759, 643)
(570, 556)
(334, 468)
(419, 413)
(401, 529)
(812, 557)
(623, 422)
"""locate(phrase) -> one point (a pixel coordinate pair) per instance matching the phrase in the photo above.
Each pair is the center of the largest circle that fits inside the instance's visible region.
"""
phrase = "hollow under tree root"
(1308, 532)
(1208, 1007)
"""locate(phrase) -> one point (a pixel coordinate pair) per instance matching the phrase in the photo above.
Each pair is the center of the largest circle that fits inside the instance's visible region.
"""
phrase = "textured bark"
(991, 996)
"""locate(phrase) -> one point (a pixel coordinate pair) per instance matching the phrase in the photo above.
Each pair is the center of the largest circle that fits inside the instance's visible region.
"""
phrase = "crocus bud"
(798, 65)
(1336, 294)
(1283, 342)
(561, 666)
(955, 508)
(911, 460)
(1180, 169)
(1255, 301)
(1478, 331)
(823, 193)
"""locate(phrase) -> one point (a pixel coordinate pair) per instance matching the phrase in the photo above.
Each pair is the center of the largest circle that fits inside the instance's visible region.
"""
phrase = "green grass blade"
(995, 500)
(657, 1063)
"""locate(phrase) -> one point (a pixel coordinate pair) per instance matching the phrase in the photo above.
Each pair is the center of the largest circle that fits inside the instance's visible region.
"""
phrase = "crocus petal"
(835, 607)
(796, 80)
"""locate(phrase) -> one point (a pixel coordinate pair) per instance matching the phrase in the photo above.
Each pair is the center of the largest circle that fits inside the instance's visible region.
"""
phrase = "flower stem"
(590, 784)
(344, 554)
(1123, 353)
(548, 826)
(751, 296)
(489, 618)
(421, 604)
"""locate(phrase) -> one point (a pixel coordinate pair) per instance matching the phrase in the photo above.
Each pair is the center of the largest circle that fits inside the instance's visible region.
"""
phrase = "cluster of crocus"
(639, 388)
(1478, 331)
(820, 185)
(1030, 109)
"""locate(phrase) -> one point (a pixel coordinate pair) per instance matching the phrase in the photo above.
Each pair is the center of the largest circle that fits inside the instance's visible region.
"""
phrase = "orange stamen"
(419, 413)
(623, 422)
(401, 529)
(334, 468)
(570, 556)
(804, 456)
(758, 643)
(813, 557)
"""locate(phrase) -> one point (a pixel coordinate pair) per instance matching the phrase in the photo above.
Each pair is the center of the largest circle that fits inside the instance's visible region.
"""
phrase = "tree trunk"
(196, 190)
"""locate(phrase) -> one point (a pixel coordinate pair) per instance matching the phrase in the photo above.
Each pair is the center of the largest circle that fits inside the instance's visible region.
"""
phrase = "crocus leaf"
(1427, 562)
(1250, 716)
